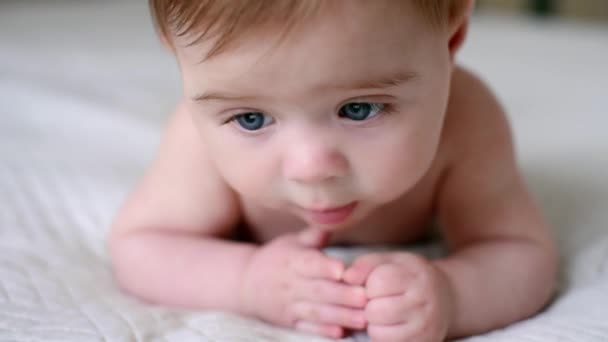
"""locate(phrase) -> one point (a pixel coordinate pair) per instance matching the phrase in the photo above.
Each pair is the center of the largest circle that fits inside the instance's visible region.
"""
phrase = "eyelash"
(388, 108)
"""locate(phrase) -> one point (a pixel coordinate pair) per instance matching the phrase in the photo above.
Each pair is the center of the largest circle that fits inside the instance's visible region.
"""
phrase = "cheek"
(392, 174)
(403, 154)
(247, 167)
(397, 163)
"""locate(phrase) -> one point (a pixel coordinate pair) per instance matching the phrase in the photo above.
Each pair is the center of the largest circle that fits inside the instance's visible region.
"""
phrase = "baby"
(310, 123)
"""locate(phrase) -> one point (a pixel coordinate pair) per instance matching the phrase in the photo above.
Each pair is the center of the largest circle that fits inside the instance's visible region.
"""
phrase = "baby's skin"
(358, 129)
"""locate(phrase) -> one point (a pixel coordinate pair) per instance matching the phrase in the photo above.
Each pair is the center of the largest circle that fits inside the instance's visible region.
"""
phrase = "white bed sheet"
(84, 88)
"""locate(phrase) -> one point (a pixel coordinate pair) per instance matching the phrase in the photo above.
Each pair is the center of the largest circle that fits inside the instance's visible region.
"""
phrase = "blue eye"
(253, 121)
(360, 111)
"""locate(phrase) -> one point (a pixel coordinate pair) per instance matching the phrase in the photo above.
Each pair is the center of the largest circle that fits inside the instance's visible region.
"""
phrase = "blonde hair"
(225, 20)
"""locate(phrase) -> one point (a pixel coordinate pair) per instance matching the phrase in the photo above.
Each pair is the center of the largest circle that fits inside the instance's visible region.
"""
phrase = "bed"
(84, 91)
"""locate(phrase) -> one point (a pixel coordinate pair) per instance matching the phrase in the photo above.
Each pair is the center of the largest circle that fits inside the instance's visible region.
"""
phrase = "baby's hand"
(290, 284)
(409, 298)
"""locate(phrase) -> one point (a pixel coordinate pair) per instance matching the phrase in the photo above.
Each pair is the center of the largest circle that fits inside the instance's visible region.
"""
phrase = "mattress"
(85, 89)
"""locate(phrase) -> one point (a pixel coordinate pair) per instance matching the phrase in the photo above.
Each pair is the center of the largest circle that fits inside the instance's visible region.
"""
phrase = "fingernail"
(338, 274)
(338, 271)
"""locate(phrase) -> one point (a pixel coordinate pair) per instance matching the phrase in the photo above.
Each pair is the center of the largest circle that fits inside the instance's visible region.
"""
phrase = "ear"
(459, 26)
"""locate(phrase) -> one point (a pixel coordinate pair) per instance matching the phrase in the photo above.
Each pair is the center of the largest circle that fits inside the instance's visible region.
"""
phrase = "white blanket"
(84, 88)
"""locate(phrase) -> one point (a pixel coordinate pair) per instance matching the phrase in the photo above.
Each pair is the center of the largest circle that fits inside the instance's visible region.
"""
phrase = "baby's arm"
(170, 245)
(502, 263)
(153, 244)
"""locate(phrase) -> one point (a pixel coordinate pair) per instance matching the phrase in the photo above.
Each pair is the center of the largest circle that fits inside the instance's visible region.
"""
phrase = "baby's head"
(226, 20)
(315, 104)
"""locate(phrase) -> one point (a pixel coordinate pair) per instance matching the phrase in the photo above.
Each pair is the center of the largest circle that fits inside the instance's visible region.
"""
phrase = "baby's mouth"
(330, 215)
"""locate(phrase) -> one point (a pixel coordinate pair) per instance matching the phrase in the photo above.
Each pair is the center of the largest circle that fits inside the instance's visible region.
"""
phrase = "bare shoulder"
(181, 191)
(483, 194)
(474, 118)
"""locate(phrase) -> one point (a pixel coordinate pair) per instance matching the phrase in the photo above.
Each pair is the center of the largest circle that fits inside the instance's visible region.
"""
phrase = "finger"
(388, 280)
(331, 292)
(314, 264)
(329, 314)
(387, 332)
(313, 237)
(327, 330)
(413, 262)
(360, 269)
(408, 331)
(393, 310)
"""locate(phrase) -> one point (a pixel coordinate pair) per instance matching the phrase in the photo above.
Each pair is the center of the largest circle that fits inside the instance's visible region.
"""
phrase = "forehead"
(369, 37)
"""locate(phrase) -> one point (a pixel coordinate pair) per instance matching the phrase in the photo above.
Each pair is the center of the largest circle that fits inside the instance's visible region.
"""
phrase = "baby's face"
(346, 111)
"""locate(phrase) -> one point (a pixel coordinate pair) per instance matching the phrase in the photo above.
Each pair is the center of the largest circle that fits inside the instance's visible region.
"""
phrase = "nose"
(313, 162)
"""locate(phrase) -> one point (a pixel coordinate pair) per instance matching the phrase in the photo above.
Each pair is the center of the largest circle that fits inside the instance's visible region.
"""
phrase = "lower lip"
(332, 216)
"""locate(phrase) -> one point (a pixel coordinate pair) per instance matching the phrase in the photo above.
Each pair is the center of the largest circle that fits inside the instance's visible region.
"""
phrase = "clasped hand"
(395, 296)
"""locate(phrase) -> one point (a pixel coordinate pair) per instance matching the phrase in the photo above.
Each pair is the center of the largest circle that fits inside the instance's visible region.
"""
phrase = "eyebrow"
(219, 96)
(383, 82)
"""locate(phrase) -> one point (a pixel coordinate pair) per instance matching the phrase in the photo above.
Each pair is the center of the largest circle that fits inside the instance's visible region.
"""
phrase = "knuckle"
(345, 315)
(307, 312)
(286, 287)
(307, 258)
(291, 260)
(353, 296)
(300, 262)
(310, 258)
(339, 263)
(349, 295)
(313, 313)
(296, 311)
(318, 290)
(289, 317)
